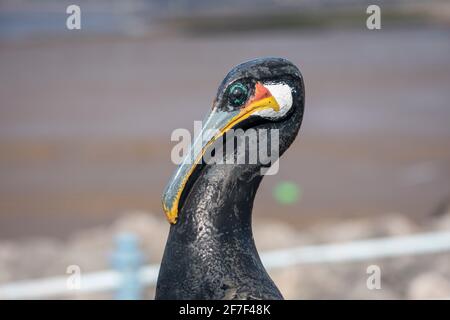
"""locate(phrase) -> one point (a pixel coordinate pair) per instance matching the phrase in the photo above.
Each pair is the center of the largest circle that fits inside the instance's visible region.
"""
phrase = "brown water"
(85, 123)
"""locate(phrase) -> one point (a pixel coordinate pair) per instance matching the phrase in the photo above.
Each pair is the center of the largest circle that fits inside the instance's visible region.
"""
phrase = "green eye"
(237, 94)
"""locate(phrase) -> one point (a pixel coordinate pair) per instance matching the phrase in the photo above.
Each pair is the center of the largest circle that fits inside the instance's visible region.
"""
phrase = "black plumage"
(210, 251)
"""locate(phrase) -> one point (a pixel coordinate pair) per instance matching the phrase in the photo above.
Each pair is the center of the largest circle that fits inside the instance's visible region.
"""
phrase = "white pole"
(343, 252)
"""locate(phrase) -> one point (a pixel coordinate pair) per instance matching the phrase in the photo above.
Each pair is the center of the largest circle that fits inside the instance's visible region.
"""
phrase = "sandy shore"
(404, 277)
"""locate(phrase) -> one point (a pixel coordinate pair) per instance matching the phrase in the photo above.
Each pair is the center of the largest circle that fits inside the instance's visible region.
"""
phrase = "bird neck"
(210, 250)
(219, 206)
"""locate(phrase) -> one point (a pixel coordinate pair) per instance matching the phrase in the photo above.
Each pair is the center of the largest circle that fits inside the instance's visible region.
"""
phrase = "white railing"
(108, 280)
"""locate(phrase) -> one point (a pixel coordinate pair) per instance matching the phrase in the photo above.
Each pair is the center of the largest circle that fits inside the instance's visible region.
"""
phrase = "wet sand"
(85, 123)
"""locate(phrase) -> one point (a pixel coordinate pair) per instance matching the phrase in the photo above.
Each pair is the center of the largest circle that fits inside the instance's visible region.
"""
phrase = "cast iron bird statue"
(210, 252)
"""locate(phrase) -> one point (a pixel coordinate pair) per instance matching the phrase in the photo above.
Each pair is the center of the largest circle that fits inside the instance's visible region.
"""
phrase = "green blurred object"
(287, 193)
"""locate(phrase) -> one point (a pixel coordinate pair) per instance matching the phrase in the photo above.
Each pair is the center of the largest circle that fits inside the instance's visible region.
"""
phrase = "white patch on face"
(283, 95)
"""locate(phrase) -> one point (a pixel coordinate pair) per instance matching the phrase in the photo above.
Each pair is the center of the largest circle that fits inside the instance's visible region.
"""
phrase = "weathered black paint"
(210, 252)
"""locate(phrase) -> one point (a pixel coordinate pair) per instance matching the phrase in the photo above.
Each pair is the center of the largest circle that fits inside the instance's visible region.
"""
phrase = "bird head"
(265, 93)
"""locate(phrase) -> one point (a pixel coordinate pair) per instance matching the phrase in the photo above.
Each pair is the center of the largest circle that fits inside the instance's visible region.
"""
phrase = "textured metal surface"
(210, 252)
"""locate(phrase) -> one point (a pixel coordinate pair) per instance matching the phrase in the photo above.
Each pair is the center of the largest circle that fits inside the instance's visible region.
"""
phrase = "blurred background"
(86, 117)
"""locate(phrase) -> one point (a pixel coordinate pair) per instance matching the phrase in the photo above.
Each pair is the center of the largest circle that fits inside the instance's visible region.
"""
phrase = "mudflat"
(85, 123)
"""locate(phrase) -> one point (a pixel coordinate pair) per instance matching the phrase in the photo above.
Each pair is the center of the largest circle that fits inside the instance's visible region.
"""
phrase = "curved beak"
(216, 125)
